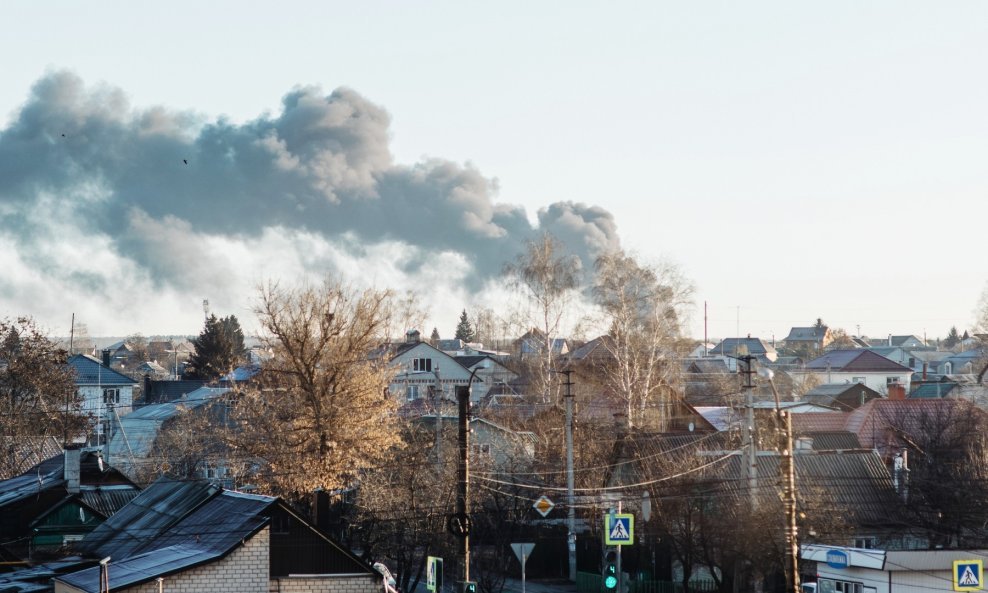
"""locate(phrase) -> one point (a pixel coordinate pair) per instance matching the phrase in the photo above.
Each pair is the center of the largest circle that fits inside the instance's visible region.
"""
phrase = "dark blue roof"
(90, 371)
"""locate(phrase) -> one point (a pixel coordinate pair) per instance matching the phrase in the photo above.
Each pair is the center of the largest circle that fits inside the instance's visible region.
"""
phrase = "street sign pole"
(522, 552)
(620, 571)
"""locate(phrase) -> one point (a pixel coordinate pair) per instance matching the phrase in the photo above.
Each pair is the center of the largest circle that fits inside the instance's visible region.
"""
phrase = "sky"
(796, 160)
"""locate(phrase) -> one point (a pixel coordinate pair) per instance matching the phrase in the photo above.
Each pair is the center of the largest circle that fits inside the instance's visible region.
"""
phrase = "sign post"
(522, 551)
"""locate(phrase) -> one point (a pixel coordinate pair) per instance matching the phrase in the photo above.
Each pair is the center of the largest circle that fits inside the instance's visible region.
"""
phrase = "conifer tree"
(464, 329)
(218, 350)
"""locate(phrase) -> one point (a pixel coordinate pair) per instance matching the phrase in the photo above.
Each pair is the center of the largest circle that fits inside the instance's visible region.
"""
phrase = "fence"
(589, 582)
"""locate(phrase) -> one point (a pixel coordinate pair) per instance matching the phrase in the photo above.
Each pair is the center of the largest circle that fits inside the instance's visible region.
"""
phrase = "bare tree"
(38, 399)
(401, 509)
(319, 412)
(549, 280)
(644, 307)
(947, 478)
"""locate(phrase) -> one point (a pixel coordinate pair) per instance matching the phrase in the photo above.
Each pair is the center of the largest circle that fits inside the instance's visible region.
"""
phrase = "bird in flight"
(185, 161)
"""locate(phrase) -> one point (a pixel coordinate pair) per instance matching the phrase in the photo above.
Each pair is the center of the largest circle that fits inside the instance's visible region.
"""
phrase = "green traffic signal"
(610, 571)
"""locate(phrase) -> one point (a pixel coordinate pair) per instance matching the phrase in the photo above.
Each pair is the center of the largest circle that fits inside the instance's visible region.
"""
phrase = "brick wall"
(327, 584)
(245, 570)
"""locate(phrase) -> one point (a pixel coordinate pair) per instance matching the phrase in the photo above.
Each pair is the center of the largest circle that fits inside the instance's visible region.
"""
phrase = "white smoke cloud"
(130, 217)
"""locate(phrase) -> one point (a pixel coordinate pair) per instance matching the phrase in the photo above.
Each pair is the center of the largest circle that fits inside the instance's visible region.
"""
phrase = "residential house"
(856, 366)
(905, 342)
(733, 348)
(709, 381)
(491, 443)
(196, 536)
(50, 507)
(534, 341)
(850, 481)
(106, 394)
(841, 396)
(132, 440)
(422, 369)
(808, 339)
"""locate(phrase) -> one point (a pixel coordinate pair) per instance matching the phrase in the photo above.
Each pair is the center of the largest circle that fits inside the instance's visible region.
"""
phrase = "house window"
(482, 450)
(834, 586)
(412, 392)
(891, 380)
(947, 368)
(422, 365)
(865, 543)
(858, 380)
(111, 395)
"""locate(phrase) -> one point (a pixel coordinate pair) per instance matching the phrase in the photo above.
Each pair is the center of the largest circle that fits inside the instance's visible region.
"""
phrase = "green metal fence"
(589, 582)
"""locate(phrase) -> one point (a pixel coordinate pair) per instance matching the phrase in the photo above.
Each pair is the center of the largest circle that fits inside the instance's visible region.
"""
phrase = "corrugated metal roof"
(107, 500)
(148, 515)
(840, 440)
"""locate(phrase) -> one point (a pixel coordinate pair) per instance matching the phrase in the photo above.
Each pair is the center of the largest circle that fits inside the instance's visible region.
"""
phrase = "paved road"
(514, 586)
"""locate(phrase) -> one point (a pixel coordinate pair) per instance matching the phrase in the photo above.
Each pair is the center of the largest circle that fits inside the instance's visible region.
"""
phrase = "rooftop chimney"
(897, 391)
(72, 471)
(106, 358)
(413, 336)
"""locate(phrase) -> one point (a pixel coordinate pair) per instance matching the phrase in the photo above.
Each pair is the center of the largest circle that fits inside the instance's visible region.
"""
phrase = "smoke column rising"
(133, 214)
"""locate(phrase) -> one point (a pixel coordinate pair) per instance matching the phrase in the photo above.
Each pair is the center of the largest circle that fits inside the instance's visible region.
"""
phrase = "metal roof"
(150, 514)
(139, 429)
(806, 334)
(932, 390)
(90, 371)
(858, 360)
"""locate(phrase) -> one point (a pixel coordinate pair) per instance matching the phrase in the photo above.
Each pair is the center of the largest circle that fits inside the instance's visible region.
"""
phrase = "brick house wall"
(245, 570)
(344, 583)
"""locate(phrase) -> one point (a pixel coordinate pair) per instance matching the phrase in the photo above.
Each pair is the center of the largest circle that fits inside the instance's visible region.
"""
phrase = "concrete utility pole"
(751, 452)
(788, 471)
(463, 497)
(570, 509)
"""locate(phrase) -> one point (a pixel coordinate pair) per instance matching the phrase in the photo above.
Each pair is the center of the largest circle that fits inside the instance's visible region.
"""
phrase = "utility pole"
(789, 496)
(439, 420)
(462, 500)
(570, 509)
(751, 453)
(788, 471)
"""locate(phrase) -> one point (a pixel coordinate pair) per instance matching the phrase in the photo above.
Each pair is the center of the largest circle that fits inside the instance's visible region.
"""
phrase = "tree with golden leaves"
(319, 411)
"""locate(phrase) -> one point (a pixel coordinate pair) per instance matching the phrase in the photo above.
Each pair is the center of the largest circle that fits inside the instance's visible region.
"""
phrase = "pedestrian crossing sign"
(619, 529)
(968, 575)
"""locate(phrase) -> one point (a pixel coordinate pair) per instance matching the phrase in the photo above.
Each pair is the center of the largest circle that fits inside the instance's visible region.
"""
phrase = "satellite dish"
(691, 427)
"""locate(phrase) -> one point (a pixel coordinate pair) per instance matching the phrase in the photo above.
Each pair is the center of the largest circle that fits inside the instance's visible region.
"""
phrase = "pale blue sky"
(798, 160)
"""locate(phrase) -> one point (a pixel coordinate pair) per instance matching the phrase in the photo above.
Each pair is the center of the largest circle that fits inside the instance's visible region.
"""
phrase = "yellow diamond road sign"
(543, 505)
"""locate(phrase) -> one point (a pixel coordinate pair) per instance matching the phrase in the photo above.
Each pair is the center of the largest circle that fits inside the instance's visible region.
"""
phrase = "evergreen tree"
(464, 329)
(952, 339)
(434, 338)
(218, 350)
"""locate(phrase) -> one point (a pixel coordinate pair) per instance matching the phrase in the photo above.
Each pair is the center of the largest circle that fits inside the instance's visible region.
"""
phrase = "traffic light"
(469, 586)
(610, 572)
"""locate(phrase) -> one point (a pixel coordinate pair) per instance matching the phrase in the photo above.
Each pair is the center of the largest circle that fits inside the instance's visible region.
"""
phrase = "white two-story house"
(106, 394)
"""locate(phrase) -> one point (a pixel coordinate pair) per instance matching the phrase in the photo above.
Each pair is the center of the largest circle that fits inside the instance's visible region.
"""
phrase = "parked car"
(809, 587)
